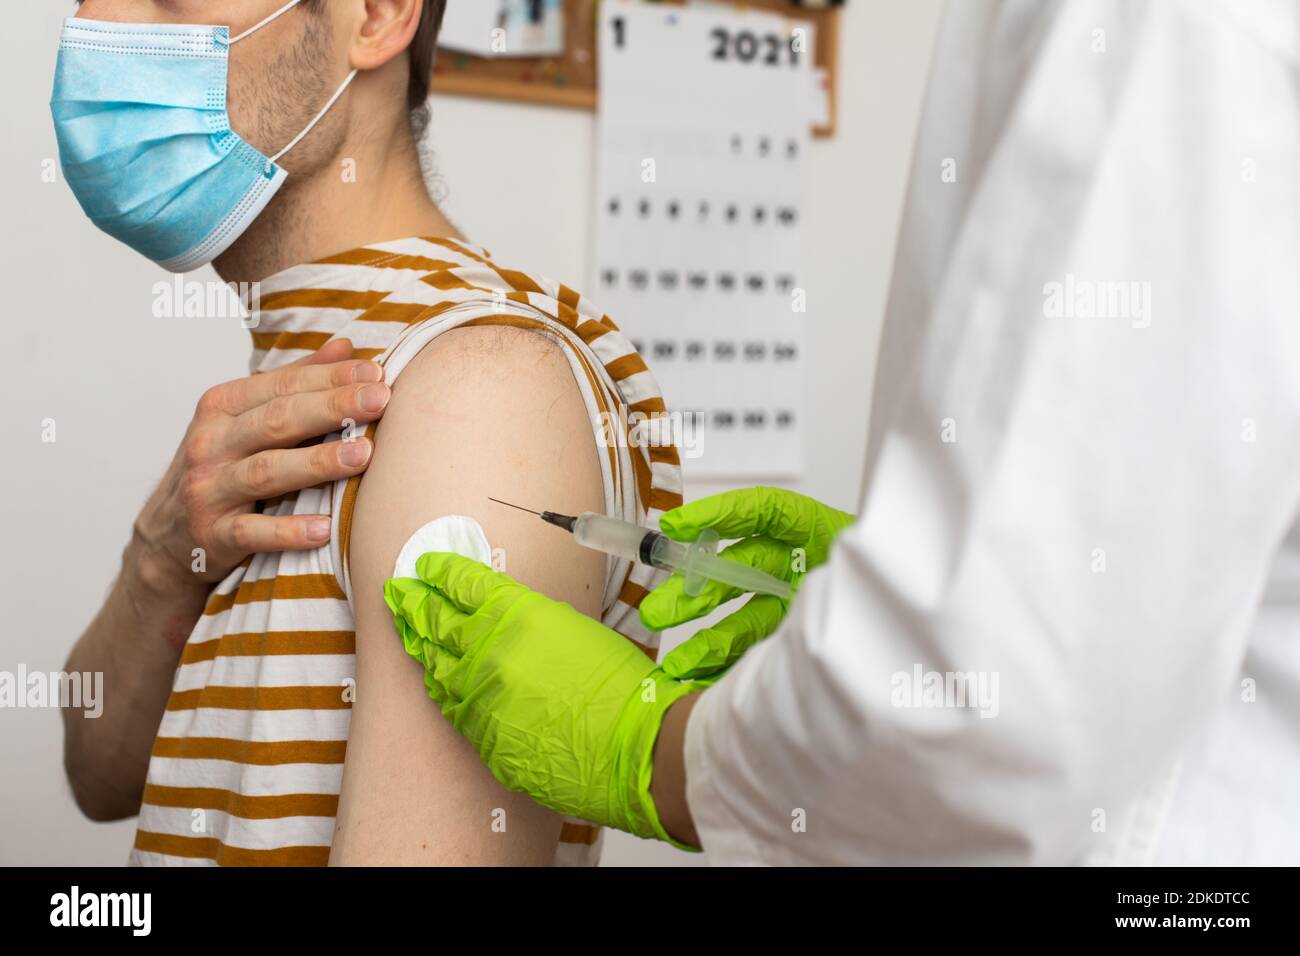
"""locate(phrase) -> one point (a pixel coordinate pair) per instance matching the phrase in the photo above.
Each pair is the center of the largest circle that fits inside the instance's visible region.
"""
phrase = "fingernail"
(373, 397)
(318, 529)
(367, 372)
(354, 454)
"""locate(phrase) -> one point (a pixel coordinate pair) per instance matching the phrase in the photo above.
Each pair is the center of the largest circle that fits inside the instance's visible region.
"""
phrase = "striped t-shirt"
(248, 762)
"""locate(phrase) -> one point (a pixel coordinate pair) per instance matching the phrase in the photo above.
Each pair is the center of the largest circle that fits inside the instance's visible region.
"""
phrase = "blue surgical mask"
(145, 139)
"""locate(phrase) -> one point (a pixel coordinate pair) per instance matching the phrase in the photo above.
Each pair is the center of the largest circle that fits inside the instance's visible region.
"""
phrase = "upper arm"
(481, 411)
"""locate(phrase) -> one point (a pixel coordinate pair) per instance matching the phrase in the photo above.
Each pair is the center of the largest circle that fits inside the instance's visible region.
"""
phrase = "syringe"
(698, 561)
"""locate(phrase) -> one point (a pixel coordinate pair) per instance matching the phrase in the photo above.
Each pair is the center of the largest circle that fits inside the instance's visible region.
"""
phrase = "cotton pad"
(455, 533)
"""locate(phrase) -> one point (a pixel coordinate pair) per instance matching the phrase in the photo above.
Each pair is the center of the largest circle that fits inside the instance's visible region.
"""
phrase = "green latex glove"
(558, 706)
(784, 533)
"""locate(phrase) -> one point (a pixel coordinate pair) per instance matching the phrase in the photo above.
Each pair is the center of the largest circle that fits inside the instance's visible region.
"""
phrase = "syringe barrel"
(622, 539)
(697, 561)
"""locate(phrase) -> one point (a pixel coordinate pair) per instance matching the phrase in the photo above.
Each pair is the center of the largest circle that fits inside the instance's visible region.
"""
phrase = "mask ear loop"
(312, 125)
(275, 16)
(270, 163)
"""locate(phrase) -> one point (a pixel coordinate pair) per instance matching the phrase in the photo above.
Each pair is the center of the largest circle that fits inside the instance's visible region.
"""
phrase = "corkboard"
(570, 80)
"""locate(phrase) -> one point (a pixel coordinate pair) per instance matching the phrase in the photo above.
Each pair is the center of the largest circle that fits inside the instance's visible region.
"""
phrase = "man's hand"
(242, 447)
(239, 448)
(784, 533)
(558, 706)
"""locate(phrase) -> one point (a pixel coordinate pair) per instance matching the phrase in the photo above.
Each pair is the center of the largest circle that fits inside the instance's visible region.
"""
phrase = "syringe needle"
(518, 507)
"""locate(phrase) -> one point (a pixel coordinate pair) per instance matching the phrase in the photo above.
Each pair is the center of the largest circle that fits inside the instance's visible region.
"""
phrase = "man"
(275, 718)
(1064, 627)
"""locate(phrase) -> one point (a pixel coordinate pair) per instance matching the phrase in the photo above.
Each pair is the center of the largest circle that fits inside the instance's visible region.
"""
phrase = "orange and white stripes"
(248, 762)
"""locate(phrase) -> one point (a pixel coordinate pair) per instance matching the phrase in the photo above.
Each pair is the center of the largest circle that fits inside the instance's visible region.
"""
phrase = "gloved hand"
(558, 706)
(784, 533)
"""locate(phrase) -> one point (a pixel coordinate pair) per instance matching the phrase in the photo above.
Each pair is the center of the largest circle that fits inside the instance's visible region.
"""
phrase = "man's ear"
(382, 30)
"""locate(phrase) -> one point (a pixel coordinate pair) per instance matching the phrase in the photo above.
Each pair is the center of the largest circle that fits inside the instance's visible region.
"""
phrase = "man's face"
(280, 77)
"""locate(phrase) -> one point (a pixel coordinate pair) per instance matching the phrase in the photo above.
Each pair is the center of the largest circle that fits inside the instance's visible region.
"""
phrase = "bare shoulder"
(480, 411)
(485, 411)
(498, 350)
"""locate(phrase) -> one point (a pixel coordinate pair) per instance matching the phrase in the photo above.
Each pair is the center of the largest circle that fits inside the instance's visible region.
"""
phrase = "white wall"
(85, 350)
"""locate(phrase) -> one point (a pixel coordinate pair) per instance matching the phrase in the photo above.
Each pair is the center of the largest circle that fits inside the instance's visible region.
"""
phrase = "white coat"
(1066, 627)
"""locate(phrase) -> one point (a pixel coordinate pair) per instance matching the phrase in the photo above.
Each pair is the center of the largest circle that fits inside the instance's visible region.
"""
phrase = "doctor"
(1066, 625)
